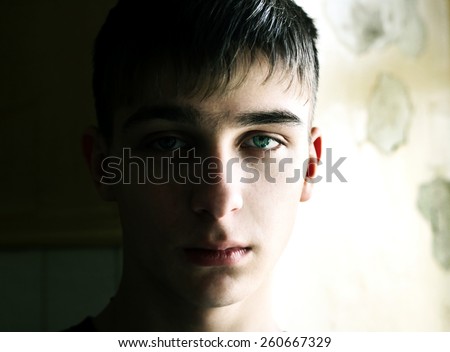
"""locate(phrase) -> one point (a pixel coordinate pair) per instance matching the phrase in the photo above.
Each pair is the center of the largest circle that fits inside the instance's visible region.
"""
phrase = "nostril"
(216, 200)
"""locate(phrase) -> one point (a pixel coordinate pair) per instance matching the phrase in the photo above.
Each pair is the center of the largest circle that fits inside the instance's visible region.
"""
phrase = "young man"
(217, 98)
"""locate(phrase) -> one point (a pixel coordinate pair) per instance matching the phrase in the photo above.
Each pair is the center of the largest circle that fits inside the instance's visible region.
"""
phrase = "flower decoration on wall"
(362, 25)
(390, 112)
(434, 204)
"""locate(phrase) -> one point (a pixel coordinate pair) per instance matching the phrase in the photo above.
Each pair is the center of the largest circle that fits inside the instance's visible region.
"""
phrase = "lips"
(216, 256)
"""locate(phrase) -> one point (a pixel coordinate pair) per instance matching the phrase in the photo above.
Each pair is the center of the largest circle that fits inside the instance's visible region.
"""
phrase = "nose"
(218, 194)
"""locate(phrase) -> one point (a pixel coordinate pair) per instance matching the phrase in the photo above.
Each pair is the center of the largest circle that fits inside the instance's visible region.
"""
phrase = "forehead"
(252, 89)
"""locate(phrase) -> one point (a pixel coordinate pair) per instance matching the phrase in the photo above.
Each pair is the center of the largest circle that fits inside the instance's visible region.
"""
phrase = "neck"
(149, 307)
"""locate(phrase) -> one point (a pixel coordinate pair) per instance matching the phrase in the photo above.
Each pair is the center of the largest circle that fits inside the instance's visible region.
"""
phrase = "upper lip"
(218, 246)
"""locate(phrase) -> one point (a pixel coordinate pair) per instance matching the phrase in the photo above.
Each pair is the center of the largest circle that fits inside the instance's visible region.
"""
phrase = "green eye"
(168, 143)
(262, 142)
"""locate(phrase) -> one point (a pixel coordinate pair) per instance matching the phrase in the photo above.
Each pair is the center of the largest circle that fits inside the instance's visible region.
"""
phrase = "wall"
(373, 253)
(58, 255)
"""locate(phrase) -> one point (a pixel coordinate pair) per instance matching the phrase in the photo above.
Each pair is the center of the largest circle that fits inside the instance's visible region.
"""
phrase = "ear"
(95, 150)
(315, 152)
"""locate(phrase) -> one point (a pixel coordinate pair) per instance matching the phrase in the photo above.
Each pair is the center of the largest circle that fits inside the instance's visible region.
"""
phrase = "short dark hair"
(203, 42)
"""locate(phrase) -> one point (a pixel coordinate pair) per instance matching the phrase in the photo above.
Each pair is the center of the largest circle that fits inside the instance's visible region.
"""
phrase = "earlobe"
(315, 152)
(94, 149)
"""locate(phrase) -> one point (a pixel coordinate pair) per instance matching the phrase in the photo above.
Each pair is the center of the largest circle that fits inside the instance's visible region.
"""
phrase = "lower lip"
(212, 257)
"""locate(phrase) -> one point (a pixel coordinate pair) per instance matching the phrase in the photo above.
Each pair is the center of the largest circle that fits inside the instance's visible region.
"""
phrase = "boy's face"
(213, 243)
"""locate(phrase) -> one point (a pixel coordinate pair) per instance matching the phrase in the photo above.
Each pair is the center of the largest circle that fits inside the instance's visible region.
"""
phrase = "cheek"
(274, 208)
(146, 209)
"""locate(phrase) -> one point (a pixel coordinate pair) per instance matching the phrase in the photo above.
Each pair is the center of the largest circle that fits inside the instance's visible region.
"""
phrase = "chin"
(214, 292)
(217, 301)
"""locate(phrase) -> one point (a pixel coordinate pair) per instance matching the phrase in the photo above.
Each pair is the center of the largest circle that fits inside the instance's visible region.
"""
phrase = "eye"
(167, 143)
(262, 142)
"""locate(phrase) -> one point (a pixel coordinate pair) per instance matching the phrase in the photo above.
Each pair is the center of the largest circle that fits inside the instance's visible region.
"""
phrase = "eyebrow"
(284, 117)
(190, 115)
(173, 113)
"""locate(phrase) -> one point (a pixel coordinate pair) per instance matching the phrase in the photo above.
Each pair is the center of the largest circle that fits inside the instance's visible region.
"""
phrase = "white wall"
(361, 256)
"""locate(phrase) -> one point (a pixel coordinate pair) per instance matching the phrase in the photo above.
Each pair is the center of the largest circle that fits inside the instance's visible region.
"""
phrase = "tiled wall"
(51, 289)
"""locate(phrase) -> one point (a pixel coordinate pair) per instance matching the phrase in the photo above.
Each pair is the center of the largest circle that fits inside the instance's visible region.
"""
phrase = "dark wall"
(45, 103)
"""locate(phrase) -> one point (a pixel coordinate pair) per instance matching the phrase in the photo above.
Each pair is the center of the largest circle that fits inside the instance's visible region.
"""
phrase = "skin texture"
(163, 291)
